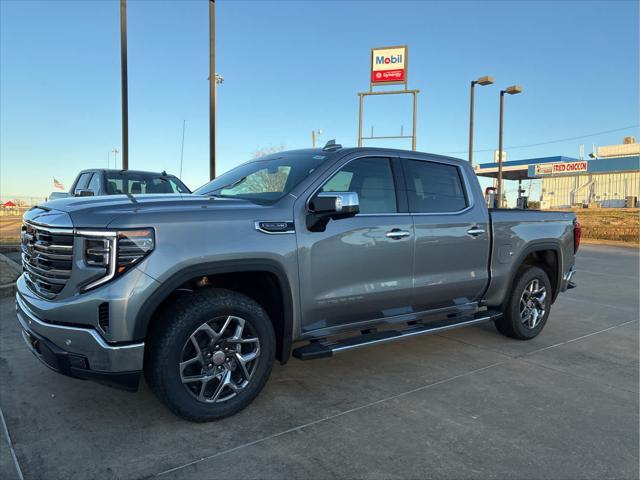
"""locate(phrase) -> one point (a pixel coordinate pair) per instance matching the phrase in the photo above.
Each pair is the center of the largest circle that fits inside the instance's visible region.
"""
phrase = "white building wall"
(563, 191)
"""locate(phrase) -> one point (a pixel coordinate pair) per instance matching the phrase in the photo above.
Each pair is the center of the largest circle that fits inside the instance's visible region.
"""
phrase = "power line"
(550, 141)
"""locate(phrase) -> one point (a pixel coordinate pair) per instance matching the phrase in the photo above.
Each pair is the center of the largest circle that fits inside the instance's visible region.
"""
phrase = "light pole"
(125, 93)
(212, 90)
(315, 133)
(512, 90)
(486, 80)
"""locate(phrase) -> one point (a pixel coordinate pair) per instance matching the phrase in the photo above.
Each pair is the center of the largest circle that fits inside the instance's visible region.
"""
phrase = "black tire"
(511, 323)
(174, 328)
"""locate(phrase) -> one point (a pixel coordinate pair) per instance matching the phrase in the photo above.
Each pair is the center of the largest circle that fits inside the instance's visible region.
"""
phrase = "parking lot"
(463, 404)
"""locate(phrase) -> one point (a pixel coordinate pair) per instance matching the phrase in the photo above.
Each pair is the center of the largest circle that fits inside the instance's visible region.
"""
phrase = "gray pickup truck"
(306, 253)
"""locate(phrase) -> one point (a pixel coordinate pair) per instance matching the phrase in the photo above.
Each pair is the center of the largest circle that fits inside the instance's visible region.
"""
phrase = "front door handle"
(475, 231)
(397, 234)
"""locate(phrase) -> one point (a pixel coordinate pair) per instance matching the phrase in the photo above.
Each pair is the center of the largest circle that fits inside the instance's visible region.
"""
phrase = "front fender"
(149, 307)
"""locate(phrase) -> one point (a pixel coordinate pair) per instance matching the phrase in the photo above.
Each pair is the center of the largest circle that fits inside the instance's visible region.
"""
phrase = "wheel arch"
(284, 329)
(546, 255)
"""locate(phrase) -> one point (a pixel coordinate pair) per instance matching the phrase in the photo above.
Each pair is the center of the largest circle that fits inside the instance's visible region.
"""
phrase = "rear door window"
(434, 187)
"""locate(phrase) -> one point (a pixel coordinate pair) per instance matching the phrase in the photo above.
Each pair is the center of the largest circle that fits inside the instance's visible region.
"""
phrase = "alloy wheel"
(219, 358)
(532, 304)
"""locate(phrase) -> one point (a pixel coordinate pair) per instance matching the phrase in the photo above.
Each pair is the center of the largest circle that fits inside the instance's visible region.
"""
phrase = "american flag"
(57, 184)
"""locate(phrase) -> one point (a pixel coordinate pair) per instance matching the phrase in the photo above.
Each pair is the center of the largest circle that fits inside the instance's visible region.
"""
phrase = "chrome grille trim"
(47, 257)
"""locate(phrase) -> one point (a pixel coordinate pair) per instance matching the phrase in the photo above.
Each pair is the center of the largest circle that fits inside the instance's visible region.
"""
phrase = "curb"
(9, 289)
(9, 247)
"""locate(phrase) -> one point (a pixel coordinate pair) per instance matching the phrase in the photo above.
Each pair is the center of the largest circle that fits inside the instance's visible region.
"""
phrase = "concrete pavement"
(468, 403)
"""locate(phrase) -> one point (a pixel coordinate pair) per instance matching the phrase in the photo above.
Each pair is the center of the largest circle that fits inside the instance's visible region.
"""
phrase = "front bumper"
(80, 352)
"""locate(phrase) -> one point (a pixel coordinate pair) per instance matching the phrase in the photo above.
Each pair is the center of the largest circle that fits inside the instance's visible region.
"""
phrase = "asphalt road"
(463, 404)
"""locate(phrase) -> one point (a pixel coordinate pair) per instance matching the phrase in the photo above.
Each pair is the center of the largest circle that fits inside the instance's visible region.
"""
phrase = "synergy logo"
(388, 65)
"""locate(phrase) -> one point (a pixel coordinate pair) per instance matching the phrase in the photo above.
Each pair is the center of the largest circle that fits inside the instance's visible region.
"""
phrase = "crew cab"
(304, 253)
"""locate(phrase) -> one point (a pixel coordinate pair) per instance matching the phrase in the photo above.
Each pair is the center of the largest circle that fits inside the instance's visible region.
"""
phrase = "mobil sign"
(389, 65)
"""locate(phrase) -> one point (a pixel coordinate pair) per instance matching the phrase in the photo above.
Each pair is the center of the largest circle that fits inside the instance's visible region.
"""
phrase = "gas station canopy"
(518, 169)
(557, 166)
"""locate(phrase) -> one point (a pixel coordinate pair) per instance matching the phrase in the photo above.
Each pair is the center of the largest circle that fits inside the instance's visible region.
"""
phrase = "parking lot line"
(581, 299)
(576, 339)
(331, 417)
(10, 443)
(614, 275)
(393, 397)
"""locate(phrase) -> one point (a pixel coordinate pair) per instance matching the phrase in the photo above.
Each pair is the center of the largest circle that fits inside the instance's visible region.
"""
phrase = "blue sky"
(292, 66)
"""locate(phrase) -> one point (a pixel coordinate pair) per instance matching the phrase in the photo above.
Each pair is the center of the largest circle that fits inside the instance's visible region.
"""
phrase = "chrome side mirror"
(327, 206)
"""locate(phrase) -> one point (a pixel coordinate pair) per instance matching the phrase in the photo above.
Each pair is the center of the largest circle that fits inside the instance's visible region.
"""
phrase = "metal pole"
(184, 122)
(500, 203)
(473, 84)
(212, 91)
(360, 122)
(415, 120)
(125, 93)
(313, 138)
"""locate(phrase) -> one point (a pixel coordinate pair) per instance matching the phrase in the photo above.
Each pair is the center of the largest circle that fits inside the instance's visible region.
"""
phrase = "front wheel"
(210, 354)
(527, 307)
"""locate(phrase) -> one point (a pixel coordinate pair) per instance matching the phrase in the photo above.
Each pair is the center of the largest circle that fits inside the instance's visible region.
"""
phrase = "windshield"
(264, 180)
(142, 182)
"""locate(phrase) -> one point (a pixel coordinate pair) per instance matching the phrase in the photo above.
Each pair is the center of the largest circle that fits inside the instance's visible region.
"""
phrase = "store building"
(609, 179)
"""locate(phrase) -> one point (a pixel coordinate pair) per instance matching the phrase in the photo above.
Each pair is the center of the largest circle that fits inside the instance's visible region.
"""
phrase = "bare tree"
(263, 151)
(264, 180)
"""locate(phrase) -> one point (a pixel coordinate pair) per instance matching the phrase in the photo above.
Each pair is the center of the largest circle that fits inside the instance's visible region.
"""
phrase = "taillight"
(577, 232)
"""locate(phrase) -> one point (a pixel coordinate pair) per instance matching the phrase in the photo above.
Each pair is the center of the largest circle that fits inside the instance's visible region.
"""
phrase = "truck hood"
(99, 212)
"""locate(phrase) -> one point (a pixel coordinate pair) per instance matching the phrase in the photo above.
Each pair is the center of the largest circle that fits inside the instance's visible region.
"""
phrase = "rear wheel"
(210, 355)
(527, 308)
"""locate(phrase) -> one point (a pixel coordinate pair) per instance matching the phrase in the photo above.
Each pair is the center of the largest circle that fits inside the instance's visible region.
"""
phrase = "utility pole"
(212, 90)
(115, 157)
(184, 122)
(125, 93)
(314, 135)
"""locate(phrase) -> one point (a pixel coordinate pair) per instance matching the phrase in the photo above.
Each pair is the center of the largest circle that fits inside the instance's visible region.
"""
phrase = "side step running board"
(315, 350)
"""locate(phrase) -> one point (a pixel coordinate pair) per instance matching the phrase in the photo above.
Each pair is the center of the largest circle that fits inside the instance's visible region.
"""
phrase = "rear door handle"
(397, 234)
(475, 231)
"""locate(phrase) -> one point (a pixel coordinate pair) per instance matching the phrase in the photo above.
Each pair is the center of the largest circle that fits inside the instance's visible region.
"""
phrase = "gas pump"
(522, 201)
(491, 197)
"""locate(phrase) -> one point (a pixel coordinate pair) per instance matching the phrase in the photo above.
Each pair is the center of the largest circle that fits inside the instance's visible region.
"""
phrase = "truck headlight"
(115, 251)
(133, 246)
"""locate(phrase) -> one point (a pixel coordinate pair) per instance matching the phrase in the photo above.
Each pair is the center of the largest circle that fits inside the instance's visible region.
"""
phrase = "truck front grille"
(47, 258)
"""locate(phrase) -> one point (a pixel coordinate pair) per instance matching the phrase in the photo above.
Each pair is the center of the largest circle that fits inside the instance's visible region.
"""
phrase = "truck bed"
(515, 233)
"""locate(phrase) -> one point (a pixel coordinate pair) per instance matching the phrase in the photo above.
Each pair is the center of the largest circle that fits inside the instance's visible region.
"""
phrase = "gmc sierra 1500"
(202, 292)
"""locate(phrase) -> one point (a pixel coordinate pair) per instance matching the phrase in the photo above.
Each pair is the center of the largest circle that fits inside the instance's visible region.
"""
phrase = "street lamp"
(486, 80)
(315, 133)
(512, 90)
